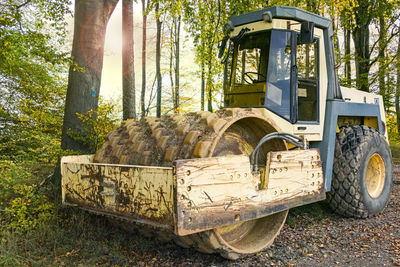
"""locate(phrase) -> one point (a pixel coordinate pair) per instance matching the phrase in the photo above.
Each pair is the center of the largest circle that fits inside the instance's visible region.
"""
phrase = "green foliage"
(391, 124)
(22, 207)
(97, 124)
(208, 32)
(395, 148)
(33, 87)
(27, 211)
(32, 79)
(394, 136)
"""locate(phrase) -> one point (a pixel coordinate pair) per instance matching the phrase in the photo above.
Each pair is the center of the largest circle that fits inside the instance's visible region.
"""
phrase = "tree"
(144, 31)
(171, 64)
(397, 96)
(173, 9)
(32, 87)
(363, 17)
(177, 31)
(347, 56)
(388, 28)
(203, 86)
(206, 34)
(382, 60)
(91, 18)
(128, 62)
(364, 13)
(158, 59)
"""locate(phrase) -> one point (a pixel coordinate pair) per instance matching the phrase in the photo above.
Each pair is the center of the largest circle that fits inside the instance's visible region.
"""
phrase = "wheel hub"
(375, 175)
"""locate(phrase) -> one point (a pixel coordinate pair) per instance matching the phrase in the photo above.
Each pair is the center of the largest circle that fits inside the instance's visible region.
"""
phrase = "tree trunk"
(382, 61)
(397, 98)
(209, 78)
(177, 48)
(347, 56)
(144, 28)
(91, 18)
(361, 42)
(171, 65)
(128, 62)
(203, 85)
(158, 61)
(361, 45)
(210, 97)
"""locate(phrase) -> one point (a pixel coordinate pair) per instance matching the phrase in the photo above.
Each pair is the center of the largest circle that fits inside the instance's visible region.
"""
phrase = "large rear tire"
(362, 172)
(159, 141)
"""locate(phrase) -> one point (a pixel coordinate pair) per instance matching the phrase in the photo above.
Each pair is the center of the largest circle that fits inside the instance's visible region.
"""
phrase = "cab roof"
(282, 12)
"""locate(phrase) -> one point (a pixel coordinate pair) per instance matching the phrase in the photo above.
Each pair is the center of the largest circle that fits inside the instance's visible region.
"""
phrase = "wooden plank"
(214, 192)
(202, 171)
(303, 164)
(77, 159)
(204, 181)
(137, 193)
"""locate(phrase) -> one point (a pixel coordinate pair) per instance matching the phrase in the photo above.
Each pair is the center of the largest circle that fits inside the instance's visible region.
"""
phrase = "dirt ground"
(312, 236)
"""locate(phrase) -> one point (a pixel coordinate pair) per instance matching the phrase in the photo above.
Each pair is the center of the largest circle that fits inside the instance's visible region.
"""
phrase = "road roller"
(222, 182)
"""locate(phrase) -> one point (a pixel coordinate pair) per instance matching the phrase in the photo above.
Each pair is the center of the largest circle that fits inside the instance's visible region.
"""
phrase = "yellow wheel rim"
(375, 175)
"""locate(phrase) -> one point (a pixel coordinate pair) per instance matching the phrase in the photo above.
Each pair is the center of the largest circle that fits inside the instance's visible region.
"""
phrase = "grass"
(66, 236)
(395, 152)
(77, 238)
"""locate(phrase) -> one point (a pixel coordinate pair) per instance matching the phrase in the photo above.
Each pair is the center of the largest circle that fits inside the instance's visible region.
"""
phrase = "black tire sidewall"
(376, 205)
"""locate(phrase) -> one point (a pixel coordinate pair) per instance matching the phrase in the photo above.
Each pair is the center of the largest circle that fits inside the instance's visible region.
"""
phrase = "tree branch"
(391, 36)
(23, 4)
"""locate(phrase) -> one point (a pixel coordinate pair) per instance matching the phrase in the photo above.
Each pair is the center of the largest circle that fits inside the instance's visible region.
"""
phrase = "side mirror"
(306, 33)
(222, 46)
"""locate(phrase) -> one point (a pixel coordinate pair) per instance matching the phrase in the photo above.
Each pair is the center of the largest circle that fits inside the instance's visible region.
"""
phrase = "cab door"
(311, 88)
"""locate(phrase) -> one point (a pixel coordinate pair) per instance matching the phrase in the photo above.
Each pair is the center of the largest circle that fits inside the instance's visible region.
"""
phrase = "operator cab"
(276, 69)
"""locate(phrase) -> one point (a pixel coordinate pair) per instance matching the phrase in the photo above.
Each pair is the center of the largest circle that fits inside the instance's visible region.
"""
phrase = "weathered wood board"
(197, 194)
(138, 193)
(213, 192)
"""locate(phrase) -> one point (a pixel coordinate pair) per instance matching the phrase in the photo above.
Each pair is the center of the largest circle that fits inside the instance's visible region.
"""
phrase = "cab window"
(307, 66)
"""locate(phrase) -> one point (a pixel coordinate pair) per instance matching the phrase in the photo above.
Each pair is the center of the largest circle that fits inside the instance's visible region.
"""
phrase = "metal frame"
(334, 109)
(335, 106)
(294, 13)
(284, 12)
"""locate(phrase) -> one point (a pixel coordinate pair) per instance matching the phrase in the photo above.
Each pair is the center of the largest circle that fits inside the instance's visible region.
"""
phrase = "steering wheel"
(247, 75)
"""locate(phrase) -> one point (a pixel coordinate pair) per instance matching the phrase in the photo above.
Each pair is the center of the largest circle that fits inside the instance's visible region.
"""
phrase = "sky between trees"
(111, 83)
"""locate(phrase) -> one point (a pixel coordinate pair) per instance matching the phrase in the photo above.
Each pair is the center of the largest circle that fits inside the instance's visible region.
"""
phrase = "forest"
(50, 104)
